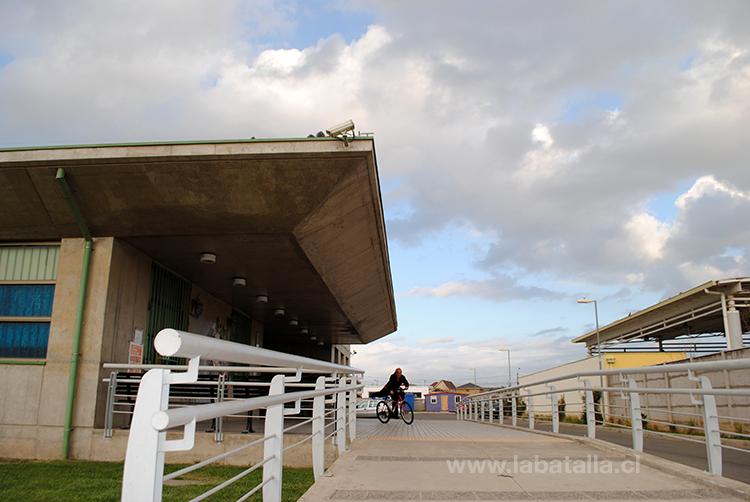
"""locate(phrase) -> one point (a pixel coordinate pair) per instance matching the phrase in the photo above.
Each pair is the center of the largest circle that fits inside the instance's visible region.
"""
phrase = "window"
(433, 399)
(457, 398)
(27, 290)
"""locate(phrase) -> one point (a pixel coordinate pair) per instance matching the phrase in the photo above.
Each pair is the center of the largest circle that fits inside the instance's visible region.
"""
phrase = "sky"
(529, 152)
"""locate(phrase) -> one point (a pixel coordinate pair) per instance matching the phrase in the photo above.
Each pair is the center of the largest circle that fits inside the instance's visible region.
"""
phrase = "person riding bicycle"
(395, 387)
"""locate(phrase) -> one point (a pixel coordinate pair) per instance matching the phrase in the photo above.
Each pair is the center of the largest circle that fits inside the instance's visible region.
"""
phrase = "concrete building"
(274, 243)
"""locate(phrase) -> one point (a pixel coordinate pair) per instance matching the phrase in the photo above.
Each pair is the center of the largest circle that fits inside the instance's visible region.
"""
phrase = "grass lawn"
(89, 481)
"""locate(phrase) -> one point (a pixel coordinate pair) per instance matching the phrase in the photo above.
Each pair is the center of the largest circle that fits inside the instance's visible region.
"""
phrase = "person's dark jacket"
(395, 383)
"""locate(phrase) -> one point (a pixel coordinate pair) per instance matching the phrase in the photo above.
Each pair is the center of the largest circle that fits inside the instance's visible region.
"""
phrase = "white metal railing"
(152, 416)
(518, 403)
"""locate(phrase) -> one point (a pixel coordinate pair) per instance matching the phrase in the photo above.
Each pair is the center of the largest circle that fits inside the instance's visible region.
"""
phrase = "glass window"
(25, 311)
(457, 398)
(433, 399)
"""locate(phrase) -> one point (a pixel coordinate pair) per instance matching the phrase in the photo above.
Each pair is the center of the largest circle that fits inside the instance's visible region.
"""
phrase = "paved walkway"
(452, 460)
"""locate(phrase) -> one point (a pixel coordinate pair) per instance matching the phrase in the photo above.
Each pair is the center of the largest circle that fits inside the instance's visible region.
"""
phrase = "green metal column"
(74, 355)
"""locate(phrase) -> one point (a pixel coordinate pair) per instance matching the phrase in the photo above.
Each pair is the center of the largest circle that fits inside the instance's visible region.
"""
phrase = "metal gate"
(169, 307)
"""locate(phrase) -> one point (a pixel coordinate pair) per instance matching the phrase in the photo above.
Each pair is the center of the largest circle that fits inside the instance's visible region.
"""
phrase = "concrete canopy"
(699, 310)
(301, 219)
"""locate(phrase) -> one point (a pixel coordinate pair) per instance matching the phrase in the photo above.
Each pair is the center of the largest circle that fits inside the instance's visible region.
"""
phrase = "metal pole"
(78, 327)
(510, 376)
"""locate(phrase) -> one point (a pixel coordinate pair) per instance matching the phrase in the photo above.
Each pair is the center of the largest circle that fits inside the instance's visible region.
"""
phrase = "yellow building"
(637, 359)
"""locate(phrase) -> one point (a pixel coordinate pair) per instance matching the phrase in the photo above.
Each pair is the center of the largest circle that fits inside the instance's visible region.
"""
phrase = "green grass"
(100, 481)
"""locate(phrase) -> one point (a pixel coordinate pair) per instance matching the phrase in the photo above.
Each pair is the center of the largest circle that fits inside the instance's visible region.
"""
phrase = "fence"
(620, 403)
(152, 415)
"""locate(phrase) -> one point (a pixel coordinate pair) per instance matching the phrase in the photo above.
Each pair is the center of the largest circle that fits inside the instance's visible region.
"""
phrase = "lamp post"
(510, 377)
(598, 340)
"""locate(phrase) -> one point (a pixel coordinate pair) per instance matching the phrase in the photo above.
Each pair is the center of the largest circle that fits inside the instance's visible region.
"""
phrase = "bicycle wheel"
(407, 414)
(382, 412)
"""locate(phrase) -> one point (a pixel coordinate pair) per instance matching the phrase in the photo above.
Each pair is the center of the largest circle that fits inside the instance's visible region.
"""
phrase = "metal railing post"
(555, 410)
(482, 410)
(590, 413)
(318, 424)
(341, 417)
(636, 421)
(514, 411)
(273, 448)
(530, 408)
(352, 418)
(492, 409)
(501, 411)
(144, 462)
(219, 432)
(711, 429)
(109, 412)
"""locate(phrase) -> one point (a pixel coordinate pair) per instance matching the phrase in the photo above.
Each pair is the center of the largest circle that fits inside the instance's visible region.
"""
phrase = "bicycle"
(387, 408)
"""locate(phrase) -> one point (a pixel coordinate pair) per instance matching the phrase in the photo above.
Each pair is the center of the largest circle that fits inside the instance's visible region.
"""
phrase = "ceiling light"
(279, 311)
(293, 321)
(261, 298)
(304, 331)
(321, 342)
(239, 282)
(313, 338)
(209, 258)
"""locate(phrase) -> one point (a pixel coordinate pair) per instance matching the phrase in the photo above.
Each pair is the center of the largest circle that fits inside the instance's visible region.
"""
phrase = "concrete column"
(732, 327)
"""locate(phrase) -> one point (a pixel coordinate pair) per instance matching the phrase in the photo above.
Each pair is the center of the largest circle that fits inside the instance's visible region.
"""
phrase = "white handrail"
(703, 395)
(143, 474)
(732, 364)
(172, 342)
(174, 417)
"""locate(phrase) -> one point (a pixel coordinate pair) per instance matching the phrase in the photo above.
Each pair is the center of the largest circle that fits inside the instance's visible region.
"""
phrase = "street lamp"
(598, 341)
(510, 378)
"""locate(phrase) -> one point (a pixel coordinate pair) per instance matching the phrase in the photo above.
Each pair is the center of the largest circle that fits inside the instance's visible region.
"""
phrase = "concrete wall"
(33, 398)
(680, 409)
(573, 400)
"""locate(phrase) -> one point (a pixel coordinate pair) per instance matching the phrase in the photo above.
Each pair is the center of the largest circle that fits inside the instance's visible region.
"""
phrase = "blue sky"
(527, 156)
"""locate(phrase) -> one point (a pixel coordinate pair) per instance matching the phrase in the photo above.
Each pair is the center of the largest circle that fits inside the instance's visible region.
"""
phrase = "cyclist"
(395, 387)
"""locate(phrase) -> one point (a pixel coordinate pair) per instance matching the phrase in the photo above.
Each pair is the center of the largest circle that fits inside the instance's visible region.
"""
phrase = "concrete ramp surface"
(452, 460)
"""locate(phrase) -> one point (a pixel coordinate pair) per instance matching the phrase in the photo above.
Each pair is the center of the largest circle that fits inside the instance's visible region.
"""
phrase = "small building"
(470, 388)
(442, 401)
(442, 386)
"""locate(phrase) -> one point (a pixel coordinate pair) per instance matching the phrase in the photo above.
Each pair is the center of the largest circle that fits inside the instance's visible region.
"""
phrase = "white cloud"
(468, 111)
(646, 235)
(501, 288)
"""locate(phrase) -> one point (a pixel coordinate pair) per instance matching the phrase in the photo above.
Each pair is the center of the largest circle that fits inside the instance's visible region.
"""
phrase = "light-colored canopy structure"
(712, 307)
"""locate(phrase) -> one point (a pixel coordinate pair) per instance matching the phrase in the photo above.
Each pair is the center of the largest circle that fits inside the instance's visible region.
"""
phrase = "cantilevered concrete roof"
(301, 219)
(692, 312)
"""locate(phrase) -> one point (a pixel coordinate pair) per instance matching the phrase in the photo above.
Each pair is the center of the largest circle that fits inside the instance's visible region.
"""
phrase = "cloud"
(550, 331)
(457, 362)
(469, 112)
(437, 341)
(501, 288)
